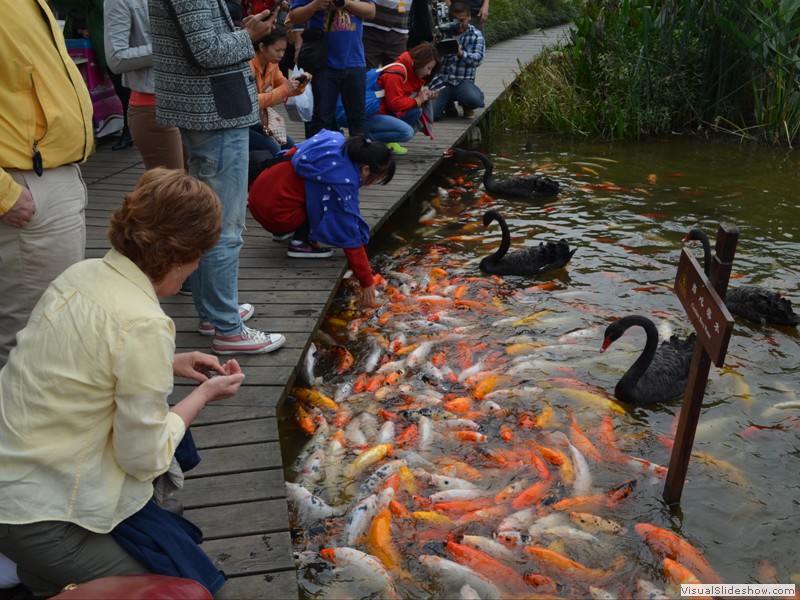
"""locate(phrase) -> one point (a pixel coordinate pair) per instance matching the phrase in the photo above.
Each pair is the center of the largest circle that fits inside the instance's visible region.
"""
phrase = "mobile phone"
(301, 79)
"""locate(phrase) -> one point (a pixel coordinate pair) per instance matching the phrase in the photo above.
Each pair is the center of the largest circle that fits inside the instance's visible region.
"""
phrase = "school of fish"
(453, 453)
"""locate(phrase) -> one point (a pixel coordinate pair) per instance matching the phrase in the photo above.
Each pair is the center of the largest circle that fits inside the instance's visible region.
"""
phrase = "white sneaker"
(247, 341)
(245, 312)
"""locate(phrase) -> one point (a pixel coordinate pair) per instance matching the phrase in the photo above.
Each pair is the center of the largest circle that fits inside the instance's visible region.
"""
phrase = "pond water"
(479, 378)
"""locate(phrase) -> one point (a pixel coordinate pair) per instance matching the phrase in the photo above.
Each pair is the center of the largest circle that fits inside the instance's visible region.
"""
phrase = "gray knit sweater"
(202, 74)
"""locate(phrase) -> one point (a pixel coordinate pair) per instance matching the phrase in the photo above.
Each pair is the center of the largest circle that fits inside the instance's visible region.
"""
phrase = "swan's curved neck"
(489, 167)
(706, 255)
(640, 365)
(505, 243)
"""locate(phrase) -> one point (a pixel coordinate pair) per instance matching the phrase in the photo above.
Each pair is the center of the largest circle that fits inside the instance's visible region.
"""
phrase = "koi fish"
(308, 507)
(367, 568)
(366, 459)
(559, 566)
(454, 575)
(664, 543)
(485, 565)
(493, 548)
(379, 540)
(314, 398)
(595, 524)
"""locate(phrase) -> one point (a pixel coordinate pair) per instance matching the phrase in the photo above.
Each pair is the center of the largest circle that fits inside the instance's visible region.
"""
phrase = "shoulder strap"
(395, 64)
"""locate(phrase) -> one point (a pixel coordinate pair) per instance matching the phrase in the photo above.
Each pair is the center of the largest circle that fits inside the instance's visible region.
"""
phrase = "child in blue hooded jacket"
(314, 195)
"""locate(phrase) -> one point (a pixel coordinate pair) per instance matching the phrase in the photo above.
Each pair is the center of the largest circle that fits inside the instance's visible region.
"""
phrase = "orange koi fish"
(608, 440)
(531, 495)
(379, 540)
(304, 419)
(666, 543)
(580, 441)
(314, 398)
(489, 567)
(679, 575)
(559, 566)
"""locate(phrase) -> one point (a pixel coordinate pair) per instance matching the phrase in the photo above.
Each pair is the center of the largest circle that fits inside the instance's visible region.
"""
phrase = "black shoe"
(124, 142)
(450, 110)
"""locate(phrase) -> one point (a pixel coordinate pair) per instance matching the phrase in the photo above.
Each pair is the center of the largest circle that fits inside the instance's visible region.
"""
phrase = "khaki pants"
(159, 146)
(31, 257)
(52, 554)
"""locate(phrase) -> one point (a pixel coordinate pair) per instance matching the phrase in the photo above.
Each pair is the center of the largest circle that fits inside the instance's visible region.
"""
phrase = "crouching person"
(312, 196)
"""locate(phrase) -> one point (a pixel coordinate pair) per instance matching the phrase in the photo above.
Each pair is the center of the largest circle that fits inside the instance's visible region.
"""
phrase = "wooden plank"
(281, 585)
(242, 432)
(248, 555)
(226, 460)
(228, 490)
(241, 519)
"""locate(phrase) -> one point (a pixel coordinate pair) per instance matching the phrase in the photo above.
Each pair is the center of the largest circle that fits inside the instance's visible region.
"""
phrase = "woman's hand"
(224, 382)
(201, 367)
(223, 386)
(294, 83)
(369, 297)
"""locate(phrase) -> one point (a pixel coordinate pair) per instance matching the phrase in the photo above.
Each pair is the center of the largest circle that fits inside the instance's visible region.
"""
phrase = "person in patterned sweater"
(204, 87)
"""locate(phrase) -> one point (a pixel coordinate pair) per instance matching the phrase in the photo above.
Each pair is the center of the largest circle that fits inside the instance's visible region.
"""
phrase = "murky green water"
(626, 208)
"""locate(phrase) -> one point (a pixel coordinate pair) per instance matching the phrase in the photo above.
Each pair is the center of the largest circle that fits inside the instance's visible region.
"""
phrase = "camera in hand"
(301, 79)
(338, 3)
(446, 29)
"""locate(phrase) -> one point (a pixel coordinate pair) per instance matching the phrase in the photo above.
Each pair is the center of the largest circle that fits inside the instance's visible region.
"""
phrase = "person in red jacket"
(406, 93)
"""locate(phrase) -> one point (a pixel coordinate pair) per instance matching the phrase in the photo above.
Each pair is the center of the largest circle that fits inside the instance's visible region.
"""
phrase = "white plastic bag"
(299, 108)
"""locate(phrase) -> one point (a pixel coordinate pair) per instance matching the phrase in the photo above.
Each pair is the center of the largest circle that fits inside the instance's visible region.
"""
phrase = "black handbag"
(313, 56)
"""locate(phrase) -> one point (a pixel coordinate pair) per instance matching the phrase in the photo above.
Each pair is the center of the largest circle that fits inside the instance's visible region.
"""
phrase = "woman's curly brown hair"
(169, 219)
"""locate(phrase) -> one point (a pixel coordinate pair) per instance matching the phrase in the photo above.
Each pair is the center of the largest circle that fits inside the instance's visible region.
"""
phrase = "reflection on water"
(456, 410)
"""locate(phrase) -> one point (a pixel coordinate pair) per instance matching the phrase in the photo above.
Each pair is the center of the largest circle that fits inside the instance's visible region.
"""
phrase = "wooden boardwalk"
(236, 494)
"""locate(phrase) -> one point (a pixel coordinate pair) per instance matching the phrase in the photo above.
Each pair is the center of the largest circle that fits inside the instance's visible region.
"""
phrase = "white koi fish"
(308, 507)
(455, 576)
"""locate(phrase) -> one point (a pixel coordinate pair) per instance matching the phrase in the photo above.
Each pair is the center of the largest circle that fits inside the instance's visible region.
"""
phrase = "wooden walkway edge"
(236, 494)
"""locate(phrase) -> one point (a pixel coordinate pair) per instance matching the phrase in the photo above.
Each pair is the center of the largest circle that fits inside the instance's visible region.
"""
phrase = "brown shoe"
(469, 113)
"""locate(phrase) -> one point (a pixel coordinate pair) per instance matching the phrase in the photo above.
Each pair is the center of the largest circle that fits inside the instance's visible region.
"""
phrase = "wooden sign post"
(703, 301)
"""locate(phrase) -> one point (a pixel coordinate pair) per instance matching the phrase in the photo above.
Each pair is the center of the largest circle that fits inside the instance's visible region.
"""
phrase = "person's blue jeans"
(328, 84)
(216, 158)
(259, 142)
(386, 128)
(466, 93)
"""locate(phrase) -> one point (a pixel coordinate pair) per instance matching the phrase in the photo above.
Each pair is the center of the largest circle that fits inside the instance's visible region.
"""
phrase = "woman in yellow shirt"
(84, 422)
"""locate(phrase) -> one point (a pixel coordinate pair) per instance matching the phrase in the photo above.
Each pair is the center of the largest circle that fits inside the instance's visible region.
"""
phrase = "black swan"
(756, 304)
(660, 373)
(524, 186)
(527, 261)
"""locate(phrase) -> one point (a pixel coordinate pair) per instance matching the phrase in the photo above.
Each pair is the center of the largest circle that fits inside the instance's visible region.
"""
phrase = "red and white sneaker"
(245, 312)
(247, 341)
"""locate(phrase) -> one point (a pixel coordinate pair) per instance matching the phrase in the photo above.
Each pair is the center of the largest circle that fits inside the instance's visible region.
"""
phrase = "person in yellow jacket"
(45, 129)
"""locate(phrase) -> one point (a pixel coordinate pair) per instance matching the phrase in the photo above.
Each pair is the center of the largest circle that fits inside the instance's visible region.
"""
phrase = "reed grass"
(635, 68)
